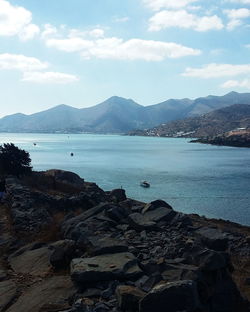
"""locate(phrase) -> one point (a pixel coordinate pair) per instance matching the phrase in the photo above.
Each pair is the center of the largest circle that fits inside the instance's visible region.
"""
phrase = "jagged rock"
(210, 260)
(146, 283)
(65, 177)
(213, 238)
(118, 195)
(117, 213)
(128, 297)
(69, 225)
(139, 222)
(160, 214)
(105, 267)
(155, 205)
(62, 253)
(179, 272)
(35, 262)
(171, 297)
(8, 293)
(52, 292)
(99, 245)
(181, 219)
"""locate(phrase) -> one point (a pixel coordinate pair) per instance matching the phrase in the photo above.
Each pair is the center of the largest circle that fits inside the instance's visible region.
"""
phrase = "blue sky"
(80, 52)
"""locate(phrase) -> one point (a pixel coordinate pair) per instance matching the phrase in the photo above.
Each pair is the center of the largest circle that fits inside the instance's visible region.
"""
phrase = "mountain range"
(212, 124)
(116, 115)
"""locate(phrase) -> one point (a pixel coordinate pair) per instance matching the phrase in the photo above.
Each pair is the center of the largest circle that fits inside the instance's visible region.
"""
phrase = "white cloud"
(96, 33)
(240, 1)
(29, 32)
(236, 84)
(49, 77)
(21, 62)
(183, 19)
(89, 34)
(16, 20)
(70, 44)
(168, 4)
(32, 69)
(237, 13)
(235, 17)
(49, 30)
(217, 71)
(116, 48)
(233, 24)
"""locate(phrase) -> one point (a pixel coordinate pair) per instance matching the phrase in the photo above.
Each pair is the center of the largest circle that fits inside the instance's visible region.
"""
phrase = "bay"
(208, 180)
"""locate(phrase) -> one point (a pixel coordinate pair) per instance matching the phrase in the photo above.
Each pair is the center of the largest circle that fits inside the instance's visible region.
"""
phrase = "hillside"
(67, 245)
(208, 125)
(240, 138)
(116, 115)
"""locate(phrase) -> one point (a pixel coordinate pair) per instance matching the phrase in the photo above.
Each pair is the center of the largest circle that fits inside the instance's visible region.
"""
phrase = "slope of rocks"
(68, 246)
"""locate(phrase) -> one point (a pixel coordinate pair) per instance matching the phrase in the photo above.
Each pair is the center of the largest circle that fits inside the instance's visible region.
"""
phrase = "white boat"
(145, 184)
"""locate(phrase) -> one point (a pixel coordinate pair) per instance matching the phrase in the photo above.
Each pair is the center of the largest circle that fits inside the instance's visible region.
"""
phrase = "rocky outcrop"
(121, 266)
(110, 253)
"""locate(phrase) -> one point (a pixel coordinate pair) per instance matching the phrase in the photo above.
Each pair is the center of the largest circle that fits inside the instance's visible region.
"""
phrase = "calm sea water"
(208, 180)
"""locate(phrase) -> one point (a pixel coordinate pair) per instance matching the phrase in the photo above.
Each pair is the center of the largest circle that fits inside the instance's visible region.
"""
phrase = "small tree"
(14, 160)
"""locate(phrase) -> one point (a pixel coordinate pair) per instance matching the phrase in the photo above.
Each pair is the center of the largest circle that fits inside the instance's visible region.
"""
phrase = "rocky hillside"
(68, 246)
(116, 115)
(208, 125)
(240, 138)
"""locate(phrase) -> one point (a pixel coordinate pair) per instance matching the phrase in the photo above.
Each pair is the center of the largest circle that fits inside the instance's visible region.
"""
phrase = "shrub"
(14, 160)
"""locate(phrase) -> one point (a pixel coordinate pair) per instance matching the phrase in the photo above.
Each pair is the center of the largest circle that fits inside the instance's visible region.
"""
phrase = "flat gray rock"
(160, 214)
(171, 297)
(139, 222)
(99, 245)
(105, 267)
(35, 262)
(7, 293)
(51, 293)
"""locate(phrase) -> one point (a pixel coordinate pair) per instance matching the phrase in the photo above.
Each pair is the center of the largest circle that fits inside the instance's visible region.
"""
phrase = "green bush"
(14, 160)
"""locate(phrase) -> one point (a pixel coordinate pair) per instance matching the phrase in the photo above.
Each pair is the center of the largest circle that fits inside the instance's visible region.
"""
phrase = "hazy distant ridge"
(117, 115)
(211, 124)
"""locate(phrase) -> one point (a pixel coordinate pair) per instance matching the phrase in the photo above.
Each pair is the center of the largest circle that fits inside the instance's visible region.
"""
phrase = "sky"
(81, 52)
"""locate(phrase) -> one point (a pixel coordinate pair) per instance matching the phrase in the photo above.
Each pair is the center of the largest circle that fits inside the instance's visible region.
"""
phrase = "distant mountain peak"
(117, 115)
(118, 99)
(232, 93)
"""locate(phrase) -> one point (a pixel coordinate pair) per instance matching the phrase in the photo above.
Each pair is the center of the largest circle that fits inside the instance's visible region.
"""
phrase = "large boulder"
(118, 195)
(99, 245)
(31, 261)
(210, 260)
(105, 267)
(160, 214)
(62, 252)
(139, 222)
(213, 238)
(52, 294)
(171, 297)
(155, 204)
(70, 224)
(65, 177)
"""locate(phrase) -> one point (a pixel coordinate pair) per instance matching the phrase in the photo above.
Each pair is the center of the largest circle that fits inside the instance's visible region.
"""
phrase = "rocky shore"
(68, 246)
(232, 138)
